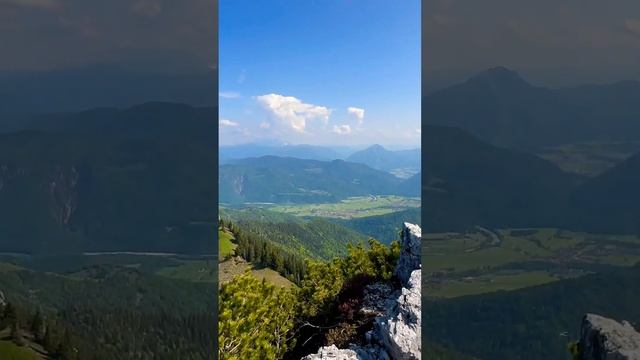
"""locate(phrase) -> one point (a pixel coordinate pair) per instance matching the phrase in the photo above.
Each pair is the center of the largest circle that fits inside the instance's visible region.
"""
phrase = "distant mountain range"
(378, 157)
(150, 120)
(72, 90)
(311, 152)
(500, 107)
(275, 179)
(401, 163)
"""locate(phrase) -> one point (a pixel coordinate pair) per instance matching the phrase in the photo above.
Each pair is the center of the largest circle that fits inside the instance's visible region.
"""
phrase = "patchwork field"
(589, 159)
(351, 208)
(457, 264)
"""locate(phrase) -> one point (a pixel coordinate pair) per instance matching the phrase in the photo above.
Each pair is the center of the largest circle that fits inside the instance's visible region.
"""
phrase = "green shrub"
(255, 319)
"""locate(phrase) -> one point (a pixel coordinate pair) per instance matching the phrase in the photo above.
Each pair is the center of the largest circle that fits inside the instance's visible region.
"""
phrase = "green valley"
(351, 208)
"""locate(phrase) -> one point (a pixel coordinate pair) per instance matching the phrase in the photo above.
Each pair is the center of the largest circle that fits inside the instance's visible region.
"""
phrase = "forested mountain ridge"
(472, 183)
(469, 182)
(383, 227)
(112, 312)
(611, 201)
(273, 179)
(70, 90)
(150, 120)
(314, 238)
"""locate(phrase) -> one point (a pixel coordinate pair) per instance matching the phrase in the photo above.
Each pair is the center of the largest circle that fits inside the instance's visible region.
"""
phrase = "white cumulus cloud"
(229, 95)
(358, 113)
(342, 129)
(293, 111)
(264, 125)
(228, 123)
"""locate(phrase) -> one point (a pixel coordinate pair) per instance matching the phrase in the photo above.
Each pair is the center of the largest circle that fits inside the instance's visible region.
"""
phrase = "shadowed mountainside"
(139, 179)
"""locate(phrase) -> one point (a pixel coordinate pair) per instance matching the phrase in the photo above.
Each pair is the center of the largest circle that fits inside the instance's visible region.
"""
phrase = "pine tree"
(49, 341)
(37, 327)
(65, 350)
(254, 319)
(16, 333)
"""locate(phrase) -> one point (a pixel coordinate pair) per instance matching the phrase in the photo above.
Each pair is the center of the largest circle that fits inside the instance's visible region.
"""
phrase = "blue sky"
(331, 72)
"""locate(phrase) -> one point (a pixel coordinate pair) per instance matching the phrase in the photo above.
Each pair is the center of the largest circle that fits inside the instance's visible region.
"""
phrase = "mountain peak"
(502, 75)
(376, 147)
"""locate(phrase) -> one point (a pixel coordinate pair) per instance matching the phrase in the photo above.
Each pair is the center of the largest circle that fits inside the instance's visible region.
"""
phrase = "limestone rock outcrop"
(399, 332)
(396, 332)
(410, 252)
(602, 338)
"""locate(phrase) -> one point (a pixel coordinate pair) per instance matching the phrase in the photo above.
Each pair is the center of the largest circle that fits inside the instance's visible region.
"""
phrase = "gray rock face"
(400, 330)
(373, 352)
(332, 352)
(397, 331)
(602, 338)
(411, 249)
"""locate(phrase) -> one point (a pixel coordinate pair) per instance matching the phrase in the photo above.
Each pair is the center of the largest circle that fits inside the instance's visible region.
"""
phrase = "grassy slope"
(11, 351)
(230, 268)
(225, 243)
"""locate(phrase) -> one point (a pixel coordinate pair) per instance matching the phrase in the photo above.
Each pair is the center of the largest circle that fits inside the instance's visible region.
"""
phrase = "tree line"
(259, 320)
(262, 252)
(25, 327)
